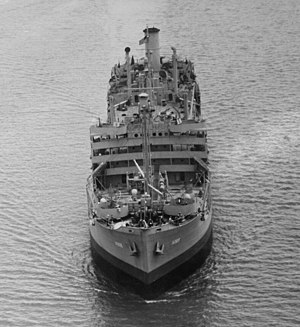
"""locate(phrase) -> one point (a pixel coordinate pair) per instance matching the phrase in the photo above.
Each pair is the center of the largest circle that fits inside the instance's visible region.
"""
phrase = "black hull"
(140, 282)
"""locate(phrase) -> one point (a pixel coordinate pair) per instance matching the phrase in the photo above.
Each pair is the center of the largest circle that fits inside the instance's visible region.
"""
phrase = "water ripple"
(55, 60)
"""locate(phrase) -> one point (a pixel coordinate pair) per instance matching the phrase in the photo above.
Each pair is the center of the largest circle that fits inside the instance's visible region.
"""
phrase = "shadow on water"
(102, 268)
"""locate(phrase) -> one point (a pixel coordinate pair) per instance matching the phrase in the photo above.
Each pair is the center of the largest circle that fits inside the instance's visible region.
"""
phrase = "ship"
(149, 191)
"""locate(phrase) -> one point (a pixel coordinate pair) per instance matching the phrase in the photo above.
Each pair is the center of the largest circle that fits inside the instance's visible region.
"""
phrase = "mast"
(128, 68)
(144, 107)
(175, 70)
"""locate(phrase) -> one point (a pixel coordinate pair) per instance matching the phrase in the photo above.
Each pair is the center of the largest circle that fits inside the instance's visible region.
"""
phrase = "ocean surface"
(55, 61)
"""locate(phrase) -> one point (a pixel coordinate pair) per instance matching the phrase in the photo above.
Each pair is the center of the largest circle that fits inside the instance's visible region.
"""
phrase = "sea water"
(55, 60)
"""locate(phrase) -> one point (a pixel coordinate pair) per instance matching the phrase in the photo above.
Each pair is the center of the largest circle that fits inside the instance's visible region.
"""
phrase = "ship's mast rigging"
(145, 111)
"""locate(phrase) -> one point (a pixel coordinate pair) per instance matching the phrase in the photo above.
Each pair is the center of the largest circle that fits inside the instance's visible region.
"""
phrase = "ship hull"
(182, 248)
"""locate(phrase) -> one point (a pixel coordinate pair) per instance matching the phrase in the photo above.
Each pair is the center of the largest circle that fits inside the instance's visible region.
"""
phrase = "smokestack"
(152, 47)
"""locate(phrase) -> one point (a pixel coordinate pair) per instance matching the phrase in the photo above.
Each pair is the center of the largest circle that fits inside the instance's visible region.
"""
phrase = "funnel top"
(151, 30)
